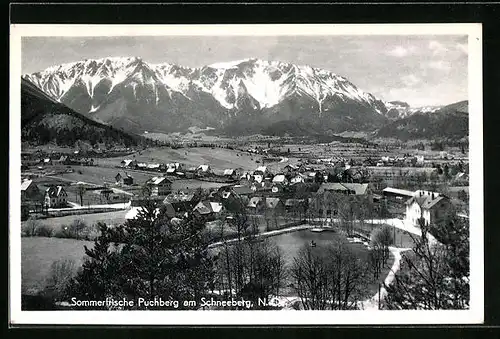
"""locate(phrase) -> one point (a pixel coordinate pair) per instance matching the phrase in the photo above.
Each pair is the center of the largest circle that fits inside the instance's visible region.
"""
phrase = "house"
(153, 167)
(128, 163)
(55, 196)
(274, 204)
(159, 186)
(229, 173)
(47, 161)
(333, 187)
(178, 204)
(430, 206)
(310, 176)
(29, 190)
(203, 169)
(242, 190)
(258, 178)
(299, 178)
(345, 188)
(128, 180)
(208, 209)
(397, 194)
(280, 179)
(256, 204)
(261, 170)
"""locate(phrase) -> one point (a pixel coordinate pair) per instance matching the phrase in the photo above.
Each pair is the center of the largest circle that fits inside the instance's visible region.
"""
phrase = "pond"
(291, 243)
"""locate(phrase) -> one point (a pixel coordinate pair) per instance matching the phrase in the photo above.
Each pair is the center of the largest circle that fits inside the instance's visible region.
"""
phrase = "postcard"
(246, 174)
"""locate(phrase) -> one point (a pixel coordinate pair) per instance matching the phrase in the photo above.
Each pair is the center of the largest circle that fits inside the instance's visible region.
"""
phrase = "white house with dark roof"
(430, 206)
(159, 186)
(203, 169)
(55, 196)
(208, 208)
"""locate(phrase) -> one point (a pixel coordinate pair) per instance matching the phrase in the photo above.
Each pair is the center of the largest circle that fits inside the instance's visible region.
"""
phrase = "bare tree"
(80, 190)
(347, 277)
(310, 279)
(435, 275)
(380, 239)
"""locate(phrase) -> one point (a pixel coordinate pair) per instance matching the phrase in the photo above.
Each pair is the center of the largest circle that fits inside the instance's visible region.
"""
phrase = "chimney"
(432, 196)
(420, 193)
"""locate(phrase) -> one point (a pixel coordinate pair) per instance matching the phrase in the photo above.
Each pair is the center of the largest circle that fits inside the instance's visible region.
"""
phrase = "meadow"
(218, 158)
(38, 254)
(109, 218)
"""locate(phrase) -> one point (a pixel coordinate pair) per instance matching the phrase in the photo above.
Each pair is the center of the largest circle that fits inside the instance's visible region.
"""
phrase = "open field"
(218, 158)
(110, 218)
(100, 175)
(38, 254)
(186, 137)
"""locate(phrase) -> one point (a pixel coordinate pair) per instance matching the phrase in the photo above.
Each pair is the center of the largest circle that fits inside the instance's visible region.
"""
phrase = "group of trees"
(152, 256)
(147, 257)
(435, 275)
(332, 280)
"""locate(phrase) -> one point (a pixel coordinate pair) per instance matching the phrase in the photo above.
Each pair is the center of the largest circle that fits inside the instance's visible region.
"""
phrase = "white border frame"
(472, 316)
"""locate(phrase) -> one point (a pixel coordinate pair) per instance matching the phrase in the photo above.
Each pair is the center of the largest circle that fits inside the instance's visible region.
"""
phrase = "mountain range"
(240, 97)
(449, 122)
(44, 120)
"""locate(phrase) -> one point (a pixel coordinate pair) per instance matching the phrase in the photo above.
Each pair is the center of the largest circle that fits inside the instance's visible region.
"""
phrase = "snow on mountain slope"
(223, 90)
(399, 110)
(266, 81)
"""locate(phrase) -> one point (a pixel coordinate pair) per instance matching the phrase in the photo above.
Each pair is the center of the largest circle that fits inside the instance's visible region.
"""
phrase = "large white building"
(430, 206)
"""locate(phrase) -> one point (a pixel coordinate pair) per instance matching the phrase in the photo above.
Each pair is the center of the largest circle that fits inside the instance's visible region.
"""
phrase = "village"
(289, 189)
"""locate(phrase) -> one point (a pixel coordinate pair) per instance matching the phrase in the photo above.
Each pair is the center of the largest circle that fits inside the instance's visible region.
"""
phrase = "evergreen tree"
(154, 258)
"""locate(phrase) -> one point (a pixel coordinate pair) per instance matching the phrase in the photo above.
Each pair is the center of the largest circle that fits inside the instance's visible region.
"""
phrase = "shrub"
(63, 232)
(61, 272)
(76, 228)
(29, 228)
(90, 232)
(44, 231)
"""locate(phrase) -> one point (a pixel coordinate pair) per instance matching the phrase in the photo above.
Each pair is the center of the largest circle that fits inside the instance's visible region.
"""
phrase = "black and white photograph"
(300, 174)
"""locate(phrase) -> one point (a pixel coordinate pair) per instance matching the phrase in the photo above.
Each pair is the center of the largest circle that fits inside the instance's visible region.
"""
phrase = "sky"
(420, 70)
